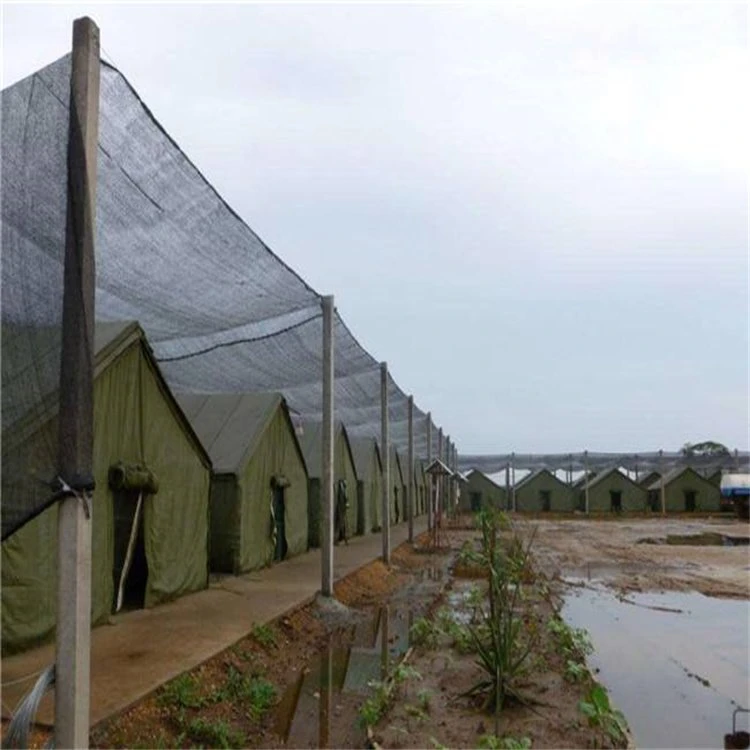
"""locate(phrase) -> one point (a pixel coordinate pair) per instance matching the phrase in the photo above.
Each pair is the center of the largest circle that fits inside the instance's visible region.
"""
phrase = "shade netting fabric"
(597, 461)
(222, 312)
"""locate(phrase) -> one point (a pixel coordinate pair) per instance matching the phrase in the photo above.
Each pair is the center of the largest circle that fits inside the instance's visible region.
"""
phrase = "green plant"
(493, 742)
(264, 635)
(575, 671)
(257, 693)
(404, 672)
(437, 745)
(574, 642)
(215, 733)
(424, 697)
(375, 706)
(601, 713)
(182, 692)
(504, 638)
(424, 633)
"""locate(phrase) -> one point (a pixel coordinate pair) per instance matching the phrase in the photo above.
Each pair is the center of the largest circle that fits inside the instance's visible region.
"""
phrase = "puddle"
(335, 681)
(675, 663)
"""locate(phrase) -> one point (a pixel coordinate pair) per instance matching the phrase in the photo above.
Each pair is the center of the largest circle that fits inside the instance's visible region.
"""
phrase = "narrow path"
(140, 650)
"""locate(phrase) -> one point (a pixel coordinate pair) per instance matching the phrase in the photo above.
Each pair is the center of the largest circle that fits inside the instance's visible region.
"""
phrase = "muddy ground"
(632, 554)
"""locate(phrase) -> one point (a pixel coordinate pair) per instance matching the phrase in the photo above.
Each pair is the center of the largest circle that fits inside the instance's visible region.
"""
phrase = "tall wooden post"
(410, 458)
(586, 478)
(327, 450)
(429, 459)
(386, 456)
(76, 413)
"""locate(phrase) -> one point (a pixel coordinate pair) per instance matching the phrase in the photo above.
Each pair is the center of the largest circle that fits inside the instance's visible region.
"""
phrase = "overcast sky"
(537, 214)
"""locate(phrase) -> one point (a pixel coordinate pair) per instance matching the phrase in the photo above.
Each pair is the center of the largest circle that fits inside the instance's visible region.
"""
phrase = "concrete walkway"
(143, 649)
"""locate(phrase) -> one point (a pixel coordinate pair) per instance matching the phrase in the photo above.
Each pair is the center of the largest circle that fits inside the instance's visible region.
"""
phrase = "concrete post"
(76, 411)
(429, 459)
(586, 478)
(513, 480)
(386, 455)
(326, 550)
(507, 486)
(438, 506)
(410, 458)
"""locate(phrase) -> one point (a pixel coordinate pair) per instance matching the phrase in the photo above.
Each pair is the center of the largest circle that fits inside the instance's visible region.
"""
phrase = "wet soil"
(634, 554)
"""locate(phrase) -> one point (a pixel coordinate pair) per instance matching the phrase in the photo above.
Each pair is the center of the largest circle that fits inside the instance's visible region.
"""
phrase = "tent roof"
(670, 476)
(231, 424)
(362, 450)
(111, 338)
(467, 478)
(602, 475)
(311, 443)
(534, 474)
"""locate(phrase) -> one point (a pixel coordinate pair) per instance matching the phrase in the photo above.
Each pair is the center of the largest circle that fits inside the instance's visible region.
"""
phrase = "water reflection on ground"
(675, 663)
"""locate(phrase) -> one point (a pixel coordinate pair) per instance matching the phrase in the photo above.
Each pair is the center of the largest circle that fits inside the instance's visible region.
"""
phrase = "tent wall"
(225, 523)
(529, 494)
(419, 492)
(275, 454)
(397, 489)
(374, 492)
(344, 469)
(707, 495)
(633, 496)
(490, 494)
(133, 422)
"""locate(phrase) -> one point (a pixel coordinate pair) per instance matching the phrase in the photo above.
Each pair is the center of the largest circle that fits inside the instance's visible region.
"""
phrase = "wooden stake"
(76, 415)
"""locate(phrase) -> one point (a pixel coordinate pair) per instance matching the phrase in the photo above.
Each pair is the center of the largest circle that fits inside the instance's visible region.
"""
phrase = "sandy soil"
(632, 554)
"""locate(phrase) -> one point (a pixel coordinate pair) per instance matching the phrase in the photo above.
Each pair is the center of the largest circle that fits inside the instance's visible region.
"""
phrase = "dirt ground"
(632, 554)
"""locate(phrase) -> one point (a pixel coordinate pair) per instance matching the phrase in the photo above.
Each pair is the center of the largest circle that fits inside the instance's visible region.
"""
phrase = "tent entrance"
(690, 500)
(280, 551)
(615, 500)
(130, 564)
(546, 500)
(475, 498)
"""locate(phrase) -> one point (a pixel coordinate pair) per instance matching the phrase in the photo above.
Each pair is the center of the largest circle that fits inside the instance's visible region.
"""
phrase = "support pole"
(513, 480)
(76, 413)
(429, 459)
(386, 456)
(661, 484)
(586, 478)
(326, 557)
(410, 458)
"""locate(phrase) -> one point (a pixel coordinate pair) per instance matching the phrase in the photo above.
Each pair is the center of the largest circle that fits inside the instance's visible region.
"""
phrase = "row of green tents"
(186, 485)
(685, 490)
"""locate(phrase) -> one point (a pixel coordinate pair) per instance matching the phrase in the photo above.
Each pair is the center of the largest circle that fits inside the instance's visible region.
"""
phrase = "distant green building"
(613, 491)
(543, 491)
(685, 491)
(480, 492)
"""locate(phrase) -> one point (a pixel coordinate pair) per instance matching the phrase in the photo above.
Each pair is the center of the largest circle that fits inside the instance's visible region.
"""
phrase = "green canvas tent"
(613, 491)
(310, 434)
(369, 469)
(543, 491)
(480, 492)
(258, 509)
(398, 488)
(137, 422)
(685, 490)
